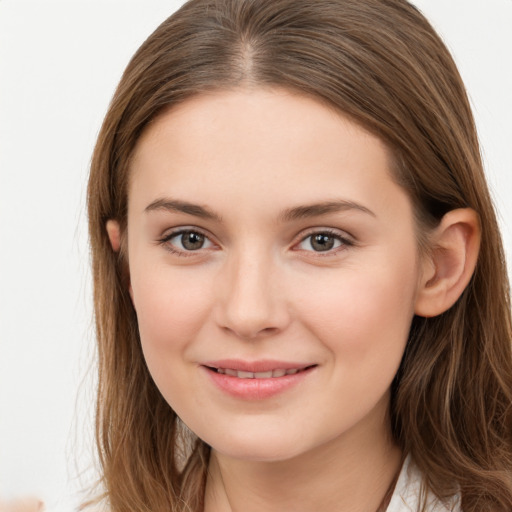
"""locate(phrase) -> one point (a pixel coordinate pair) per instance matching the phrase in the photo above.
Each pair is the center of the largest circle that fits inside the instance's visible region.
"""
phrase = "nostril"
(252, 334)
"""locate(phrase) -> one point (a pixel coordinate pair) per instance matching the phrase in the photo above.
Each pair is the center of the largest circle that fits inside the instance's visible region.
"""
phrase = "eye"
(186, 241)
(323, 241)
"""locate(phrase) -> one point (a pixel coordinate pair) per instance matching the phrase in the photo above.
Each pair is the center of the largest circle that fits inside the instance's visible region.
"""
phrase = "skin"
(22, 505)
(259, 289)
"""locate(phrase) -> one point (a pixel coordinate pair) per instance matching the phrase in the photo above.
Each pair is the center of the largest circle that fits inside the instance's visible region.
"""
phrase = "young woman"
(300, 290)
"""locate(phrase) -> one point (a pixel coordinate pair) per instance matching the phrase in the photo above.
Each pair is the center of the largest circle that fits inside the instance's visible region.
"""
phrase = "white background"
(59, 64)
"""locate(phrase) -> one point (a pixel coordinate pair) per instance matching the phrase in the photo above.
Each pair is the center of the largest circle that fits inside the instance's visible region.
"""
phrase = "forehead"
(266, 117)
(262, 143)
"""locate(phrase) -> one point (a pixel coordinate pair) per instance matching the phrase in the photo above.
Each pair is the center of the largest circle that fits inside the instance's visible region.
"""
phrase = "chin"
(260, 453)
(258, 448)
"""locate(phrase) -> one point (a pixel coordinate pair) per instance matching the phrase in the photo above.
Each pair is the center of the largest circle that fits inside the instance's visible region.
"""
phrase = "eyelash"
(164, 241)
(344, 241)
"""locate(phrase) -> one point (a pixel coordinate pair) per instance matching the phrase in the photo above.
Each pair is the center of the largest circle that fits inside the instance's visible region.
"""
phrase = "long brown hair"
(381, 63)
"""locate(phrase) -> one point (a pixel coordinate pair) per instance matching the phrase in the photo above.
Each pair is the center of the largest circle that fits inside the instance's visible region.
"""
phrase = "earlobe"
(114, 234)
(448, 268)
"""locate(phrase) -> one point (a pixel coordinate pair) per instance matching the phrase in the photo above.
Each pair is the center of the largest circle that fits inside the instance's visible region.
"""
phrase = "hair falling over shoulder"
(381, 63)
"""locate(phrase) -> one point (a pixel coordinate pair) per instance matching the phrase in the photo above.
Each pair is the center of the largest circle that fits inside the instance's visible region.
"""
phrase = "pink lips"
(255, 380)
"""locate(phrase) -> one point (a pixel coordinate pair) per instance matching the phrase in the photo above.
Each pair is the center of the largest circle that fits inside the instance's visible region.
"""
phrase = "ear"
(114, 234)
(447, 269)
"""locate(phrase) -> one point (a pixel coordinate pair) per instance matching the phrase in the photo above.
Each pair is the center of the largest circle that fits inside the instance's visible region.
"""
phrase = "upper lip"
(256, 366)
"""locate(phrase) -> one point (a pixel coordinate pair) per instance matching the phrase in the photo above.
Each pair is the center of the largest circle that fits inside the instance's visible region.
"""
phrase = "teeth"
(257, 375)
(263, 375)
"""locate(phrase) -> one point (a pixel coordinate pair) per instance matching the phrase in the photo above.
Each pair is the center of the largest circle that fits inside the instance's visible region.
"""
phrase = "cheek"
(363, 318)
(171, 308)
(364, 324)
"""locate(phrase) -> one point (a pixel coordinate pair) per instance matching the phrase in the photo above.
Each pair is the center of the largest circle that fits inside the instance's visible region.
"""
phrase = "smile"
(256, 380)
(240, 374)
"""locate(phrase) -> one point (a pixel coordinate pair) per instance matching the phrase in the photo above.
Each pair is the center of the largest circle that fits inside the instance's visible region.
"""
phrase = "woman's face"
(274, 271)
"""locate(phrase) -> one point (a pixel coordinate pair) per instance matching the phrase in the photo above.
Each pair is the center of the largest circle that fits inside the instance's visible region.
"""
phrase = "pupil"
(322, 242)
(192, 241)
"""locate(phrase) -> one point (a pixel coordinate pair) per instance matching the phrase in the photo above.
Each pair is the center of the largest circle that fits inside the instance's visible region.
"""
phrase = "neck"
(352, 472)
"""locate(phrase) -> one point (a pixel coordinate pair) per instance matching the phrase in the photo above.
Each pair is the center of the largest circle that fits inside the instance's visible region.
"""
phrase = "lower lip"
(256, 389)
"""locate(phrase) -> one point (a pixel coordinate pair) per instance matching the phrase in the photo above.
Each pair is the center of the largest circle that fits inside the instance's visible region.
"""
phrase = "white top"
(407, 494)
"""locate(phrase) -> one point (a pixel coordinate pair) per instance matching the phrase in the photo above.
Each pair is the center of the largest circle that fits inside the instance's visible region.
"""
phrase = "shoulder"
(408, 493)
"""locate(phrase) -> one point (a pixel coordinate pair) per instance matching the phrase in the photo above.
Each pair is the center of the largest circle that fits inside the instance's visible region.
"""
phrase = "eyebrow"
(324, 208)
(174, 205)
(290, 214)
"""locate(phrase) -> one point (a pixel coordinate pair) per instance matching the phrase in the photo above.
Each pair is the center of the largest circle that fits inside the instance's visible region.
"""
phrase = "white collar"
(407, 494)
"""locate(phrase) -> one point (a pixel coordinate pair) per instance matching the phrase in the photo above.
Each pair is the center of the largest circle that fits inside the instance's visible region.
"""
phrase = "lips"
(241, 374)
(256, 380)
(262, 369)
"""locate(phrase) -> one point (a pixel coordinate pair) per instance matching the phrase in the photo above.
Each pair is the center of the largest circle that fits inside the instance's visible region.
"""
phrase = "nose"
(252, 301)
